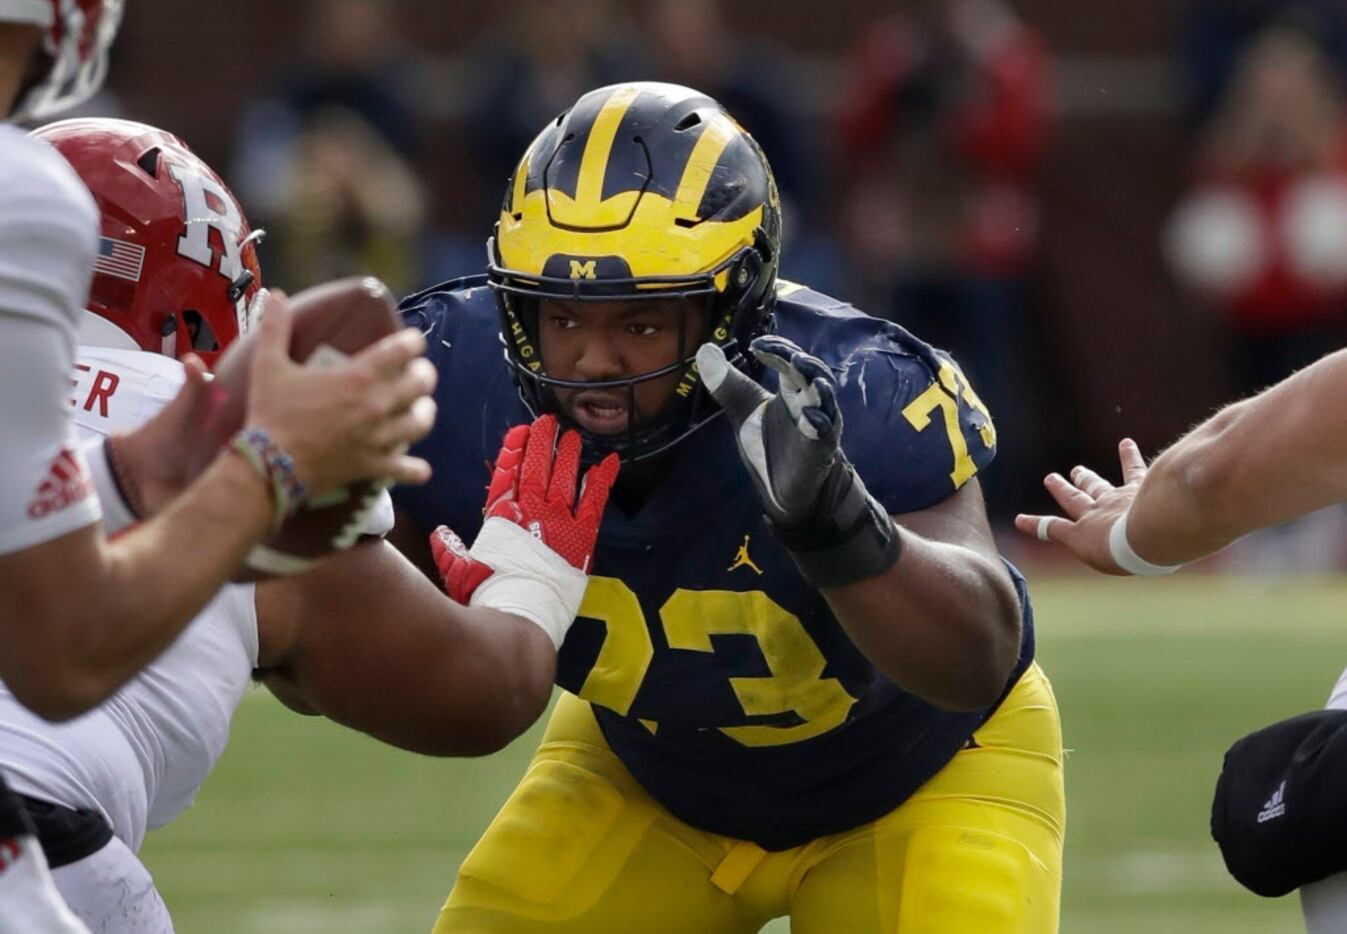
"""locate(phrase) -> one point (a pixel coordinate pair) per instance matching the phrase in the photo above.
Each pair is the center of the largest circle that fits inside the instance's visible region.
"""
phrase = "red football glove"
(460, 571)
(533, 487)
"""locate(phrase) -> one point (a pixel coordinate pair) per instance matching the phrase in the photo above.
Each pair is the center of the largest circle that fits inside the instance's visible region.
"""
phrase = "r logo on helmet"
(201, 216)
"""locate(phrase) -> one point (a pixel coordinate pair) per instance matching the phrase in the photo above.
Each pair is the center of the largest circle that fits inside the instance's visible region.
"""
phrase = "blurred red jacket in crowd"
(1261, 235)
(968, 80)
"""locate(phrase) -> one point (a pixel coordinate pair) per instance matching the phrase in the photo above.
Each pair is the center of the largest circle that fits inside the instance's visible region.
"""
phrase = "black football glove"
(814, 500)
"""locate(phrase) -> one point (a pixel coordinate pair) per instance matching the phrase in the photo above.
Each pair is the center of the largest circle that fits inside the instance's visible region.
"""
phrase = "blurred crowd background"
(1116, 216)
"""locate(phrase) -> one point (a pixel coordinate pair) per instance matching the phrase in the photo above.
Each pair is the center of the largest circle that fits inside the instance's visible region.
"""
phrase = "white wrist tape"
(1120, 549)
(530, 579)
(117, 514)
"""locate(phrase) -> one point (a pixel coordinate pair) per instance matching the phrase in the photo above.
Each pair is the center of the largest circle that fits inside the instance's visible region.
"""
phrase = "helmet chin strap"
(97, 331)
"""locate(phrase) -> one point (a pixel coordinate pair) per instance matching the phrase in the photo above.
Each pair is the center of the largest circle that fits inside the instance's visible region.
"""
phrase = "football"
(331, 321)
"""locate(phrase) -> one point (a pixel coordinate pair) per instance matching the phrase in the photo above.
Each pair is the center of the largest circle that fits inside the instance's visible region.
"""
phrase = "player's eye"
(562, 322)
(642, 330)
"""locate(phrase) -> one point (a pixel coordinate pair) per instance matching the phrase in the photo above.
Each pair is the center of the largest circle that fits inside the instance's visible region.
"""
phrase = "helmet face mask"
(639, 192)
(177, 266)
(657, 400)
(75, 44)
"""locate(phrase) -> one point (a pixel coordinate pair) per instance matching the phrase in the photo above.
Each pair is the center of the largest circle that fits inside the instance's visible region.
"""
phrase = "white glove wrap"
(530, 579)
(117, 514)
(1120, 549)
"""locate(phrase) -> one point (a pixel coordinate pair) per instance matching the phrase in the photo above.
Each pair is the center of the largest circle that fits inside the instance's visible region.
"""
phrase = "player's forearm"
(367, 641)
(1182, 511)
(513, 680)
(122, 608)
(943, 623)
(1265, 460)
(410, 539)
(476, 692)
(467, 690)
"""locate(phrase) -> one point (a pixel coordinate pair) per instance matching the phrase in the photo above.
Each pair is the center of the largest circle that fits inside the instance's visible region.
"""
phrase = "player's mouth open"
(600, 413)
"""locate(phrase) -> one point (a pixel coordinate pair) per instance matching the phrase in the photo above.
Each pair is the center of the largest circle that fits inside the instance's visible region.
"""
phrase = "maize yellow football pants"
(580, 848)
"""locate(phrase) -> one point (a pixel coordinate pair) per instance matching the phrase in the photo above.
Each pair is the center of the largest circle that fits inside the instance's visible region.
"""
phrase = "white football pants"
(28, 900)
(112, 892)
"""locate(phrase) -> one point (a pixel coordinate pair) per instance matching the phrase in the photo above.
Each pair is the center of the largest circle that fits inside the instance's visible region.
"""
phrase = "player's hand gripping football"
(790, 442)
(349, 421)
(1092, 506)
(536, 546)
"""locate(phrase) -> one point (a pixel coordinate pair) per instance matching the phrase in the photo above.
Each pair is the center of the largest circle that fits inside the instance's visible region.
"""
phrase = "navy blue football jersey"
(718, 675)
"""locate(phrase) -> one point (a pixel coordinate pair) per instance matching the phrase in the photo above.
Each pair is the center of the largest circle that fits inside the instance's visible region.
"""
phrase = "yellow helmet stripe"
(589, 187)
(701, 163)
(651, 244)
(521, 177)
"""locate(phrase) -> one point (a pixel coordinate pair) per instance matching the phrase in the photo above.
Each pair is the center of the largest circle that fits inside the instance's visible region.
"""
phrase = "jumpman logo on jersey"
(741, 558)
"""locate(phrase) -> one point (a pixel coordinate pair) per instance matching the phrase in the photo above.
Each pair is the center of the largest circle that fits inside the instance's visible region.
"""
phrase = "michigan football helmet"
(177, 264)
(77, 34)
(639, 191)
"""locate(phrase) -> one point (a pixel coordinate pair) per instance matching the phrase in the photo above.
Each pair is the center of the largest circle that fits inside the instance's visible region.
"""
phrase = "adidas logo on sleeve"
(1275, 806)
(66, 483)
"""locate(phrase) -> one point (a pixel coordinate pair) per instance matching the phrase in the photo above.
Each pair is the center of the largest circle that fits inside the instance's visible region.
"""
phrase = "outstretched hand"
(537, 544)
(534, 486)
(790, 442)
(1091, 505)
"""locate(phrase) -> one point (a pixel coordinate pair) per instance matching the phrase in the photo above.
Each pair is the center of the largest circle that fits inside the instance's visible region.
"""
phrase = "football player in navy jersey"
(801, 681)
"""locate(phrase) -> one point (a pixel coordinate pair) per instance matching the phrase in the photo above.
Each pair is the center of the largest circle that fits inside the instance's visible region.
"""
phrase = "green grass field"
(306, 827)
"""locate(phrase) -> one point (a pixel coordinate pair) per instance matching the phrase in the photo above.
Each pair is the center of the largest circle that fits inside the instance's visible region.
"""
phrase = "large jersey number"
(796, 684)
(945, 396)
(690, 617)
(627, 649)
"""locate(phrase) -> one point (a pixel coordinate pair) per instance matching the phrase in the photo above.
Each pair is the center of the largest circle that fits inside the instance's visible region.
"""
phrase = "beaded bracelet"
(275, 467)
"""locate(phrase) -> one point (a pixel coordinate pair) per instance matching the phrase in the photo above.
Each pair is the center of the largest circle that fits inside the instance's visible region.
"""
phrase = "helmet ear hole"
(203, 338)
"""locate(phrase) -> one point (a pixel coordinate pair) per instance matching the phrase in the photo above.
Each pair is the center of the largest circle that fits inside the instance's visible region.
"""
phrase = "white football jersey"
(48, 237)
(141, 756)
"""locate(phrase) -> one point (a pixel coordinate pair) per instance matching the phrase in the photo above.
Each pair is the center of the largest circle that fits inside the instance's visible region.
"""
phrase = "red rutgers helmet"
(177, 264)
(76, 40)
